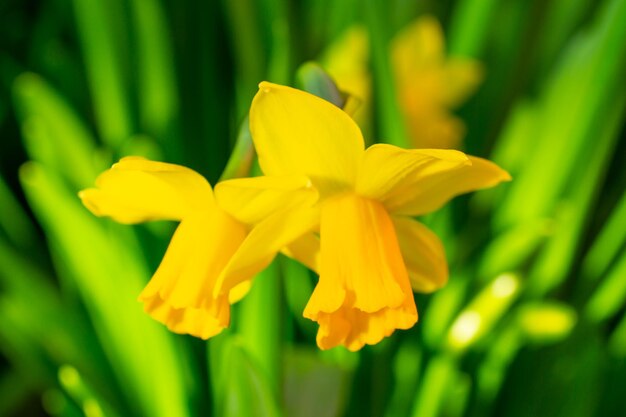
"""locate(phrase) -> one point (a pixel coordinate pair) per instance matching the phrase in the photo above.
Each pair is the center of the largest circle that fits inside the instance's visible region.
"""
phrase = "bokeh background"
(532, 322)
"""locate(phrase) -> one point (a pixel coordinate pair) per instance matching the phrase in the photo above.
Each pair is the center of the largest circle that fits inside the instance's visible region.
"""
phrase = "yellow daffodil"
(428, 84)
(357, 232)
(182, 293)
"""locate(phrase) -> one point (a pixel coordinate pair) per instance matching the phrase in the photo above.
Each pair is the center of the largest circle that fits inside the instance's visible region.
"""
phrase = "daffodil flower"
(358, 232)
(429, 84)
(182, 294)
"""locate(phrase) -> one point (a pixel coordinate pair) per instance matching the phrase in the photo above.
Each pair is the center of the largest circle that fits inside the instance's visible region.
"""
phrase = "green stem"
(392, 129)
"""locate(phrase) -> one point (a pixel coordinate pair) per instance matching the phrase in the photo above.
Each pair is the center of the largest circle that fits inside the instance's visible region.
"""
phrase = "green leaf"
(610, 296)
(54, 134)
(242, 156)
(479, 317)
(102, 55)
(314, 387)
(247, 392)
(109, 273)
(546, 322)
(158, 98)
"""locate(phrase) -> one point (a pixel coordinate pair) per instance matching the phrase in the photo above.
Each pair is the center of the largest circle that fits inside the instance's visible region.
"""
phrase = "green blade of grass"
(14, 391)
(74, 384)
(587, 83)
(470, 26)
(64, 336)
(610, 296)
(158, 98)
(260, 325)
(481, 315)
(392, 129)
(14, 221)
(277, 27)
(18, 349)
(242, 156)
(617, 342)
(545, 322)
(492, 370)
(518, 135)
(563, 16)
(442, 309)
(509, 250)
(407, 364)
(108, 86)
(57, 404)
(246, 390)
(314, 386)
(298, 288)
(109, 275)
(249, 50)
(557, 258)
(607, 245)
(438, 377)
(53, 132)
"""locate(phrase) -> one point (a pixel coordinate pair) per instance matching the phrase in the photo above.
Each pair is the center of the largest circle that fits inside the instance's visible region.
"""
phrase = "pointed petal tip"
(90, 201)
(129, 159)
(501, 175)
(266, 86)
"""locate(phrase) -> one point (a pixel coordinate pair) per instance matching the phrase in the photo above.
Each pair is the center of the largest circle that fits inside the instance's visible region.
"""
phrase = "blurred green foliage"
(533, 321)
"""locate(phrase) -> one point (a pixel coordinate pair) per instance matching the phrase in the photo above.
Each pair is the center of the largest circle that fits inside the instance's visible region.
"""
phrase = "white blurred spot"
(465, 328)
(504, 286)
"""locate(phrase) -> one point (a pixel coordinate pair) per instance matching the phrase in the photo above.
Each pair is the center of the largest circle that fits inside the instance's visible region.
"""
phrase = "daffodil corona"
(355, 227)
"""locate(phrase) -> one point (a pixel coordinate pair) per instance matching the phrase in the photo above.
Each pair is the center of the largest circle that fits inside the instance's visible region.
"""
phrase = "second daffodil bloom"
(358, 233)
(207, 243)
(429, 84)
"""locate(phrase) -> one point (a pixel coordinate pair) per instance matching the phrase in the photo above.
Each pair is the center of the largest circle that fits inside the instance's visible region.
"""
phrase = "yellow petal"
(136, 190)
(363, 293)
(264, 241)
(305, 250)
(461, 77)
(239, 291)
(419, 181)
(251, 200)
(420, 45)
(388, 172)
(296, 133)
(180, 294)
(201, 247)
(423, 254)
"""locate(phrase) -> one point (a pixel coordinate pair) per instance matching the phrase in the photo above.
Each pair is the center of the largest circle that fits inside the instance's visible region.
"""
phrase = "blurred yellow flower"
(207, 242)
(357, 232)
(428, 85)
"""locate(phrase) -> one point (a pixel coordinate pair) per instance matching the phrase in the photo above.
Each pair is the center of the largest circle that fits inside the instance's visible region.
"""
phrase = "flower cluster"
(343, 210)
